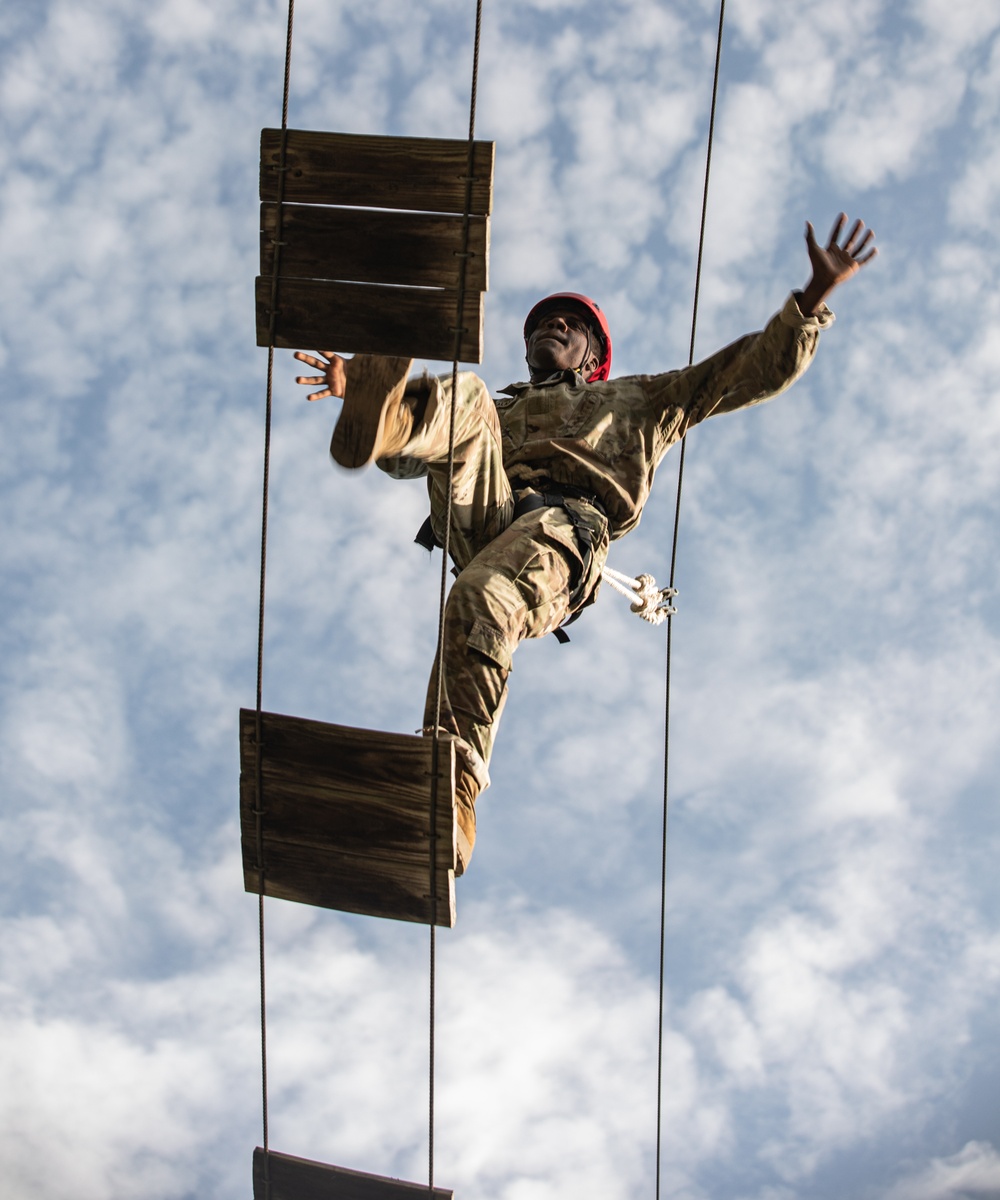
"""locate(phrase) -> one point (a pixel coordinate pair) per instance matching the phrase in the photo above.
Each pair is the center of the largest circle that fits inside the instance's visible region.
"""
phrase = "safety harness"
(546, 493)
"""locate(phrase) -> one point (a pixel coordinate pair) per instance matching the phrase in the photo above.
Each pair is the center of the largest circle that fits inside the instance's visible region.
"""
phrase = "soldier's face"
(559, 342)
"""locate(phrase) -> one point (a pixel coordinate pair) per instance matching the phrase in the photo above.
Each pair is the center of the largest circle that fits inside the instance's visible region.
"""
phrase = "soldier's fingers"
(852, 237)
(835, 232)
(810, 234)
(310, 380)
(320, 395)
(872, 253)
(863, 244)
(309, 360)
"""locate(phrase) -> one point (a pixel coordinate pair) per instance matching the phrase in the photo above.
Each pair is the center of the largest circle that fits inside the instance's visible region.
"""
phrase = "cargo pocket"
(491, 643)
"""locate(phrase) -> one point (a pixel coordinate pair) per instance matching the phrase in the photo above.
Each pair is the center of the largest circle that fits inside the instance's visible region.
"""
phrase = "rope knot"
(649, 601)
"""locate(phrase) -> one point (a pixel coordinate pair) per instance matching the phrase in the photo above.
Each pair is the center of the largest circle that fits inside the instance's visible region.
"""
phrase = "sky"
(832, 947)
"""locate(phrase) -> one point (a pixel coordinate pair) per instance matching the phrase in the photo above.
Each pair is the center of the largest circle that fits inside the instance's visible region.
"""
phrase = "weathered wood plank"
(301, 1179)
(354, 883)
(330, 817)
(346, 820)
(318, 817)
(370, 319)
(425, 174)
(338, 756)
(369, 246)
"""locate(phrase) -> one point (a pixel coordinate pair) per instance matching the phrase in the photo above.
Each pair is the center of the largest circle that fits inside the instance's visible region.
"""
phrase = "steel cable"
(442, 598)
(670, 622)
(258, 809)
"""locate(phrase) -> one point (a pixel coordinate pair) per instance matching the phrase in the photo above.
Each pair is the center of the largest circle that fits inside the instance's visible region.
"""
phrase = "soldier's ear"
(593, 358)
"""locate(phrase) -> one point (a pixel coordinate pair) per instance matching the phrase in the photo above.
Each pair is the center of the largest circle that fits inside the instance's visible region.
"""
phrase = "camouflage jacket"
(608, 437)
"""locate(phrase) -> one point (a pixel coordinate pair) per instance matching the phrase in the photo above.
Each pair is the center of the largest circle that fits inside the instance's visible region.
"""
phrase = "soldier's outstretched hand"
(835, 263)
(333, 381)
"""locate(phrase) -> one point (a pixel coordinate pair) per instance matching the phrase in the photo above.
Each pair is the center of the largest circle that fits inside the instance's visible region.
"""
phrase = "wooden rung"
(370, 319)
(346, 818)
(291, 1178)
(365, 246)
(424, 174)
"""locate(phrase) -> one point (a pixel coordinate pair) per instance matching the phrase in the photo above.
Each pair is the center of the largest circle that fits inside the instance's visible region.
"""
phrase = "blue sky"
(832, 949)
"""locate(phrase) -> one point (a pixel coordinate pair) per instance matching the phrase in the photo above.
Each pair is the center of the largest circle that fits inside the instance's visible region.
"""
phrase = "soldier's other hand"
(836, 262)
(332, 382)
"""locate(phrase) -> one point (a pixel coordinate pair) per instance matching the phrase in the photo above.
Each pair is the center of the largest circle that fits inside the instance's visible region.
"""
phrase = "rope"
(259, 811)
(670, 624)
(648, 600)
(258, 738)
(442, 598)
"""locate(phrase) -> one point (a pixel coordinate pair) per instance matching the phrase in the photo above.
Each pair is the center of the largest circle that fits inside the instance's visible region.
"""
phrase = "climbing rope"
(458, 330)
(649, 600)
(670, 624)
(258, 737)
(258, 811)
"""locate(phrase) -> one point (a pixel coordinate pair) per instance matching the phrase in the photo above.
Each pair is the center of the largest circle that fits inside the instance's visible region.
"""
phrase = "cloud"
(156, 1067)
(974, 1171)
(830, 849)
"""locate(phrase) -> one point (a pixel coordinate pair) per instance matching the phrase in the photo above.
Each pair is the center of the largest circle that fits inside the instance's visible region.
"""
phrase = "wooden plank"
(301, 1179)
(360, 245)
(366, 318)
(346, 820)
(425, 174)
(362, 884)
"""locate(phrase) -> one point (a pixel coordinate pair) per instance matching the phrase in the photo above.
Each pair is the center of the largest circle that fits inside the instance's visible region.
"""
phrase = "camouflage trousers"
(517, 578)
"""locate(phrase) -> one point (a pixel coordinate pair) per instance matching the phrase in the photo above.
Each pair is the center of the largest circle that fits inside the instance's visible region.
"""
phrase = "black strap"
(544, 496)
(533, 500)
(556, 492)
(426, 536)
(530, 502)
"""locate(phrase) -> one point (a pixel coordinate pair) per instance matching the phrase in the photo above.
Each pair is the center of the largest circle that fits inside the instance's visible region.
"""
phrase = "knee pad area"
(482, 593)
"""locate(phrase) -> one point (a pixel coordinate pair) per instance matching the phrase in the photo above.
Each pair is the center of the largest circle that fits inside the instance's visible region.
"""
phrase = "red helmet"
(588, 308)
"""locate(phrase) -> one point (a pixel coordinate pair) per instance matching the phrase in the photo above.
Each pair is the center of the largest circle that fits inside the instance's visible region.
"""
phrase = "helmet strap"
(589, 352)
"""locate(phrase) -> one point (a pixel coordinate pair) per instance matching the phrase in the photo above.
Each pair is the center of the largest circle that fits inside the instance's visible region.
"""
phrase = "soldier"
(550, 472)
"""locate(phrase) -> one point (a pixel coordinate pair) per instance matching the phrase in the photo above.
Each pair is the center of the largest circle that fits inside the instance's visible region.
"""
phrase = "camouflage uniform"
(602, 441)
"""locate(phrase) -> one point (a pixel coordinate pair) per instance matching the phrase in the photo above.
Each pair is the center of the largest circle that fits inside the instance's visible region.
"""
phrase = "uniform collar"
(570, 377)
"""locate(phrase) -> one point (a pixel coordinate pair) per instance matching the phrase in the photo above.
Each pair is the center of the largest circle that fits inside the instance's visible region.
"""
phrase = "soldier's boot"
(466, 791)
(376, 421)
(471, 778)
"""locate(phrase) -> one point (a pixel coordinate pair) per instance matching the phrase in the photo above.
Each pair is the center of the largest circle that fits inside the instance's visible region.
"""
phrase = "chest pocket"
(513, 426)
(579, 417)
(612, 434)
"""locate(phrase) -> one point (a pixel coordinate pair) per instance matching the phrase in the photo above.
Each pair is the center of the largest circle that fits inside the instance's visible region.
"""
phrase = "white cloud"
(836, 651)
(547, 1010)
(973, 1172)
(68, 726)
(976, 196)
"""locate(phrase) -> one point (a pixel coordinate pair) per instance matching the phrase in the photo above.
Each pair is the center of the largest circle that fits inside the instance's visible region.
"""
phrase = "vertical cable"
(670, 620)
(258, 747)
(442, 598)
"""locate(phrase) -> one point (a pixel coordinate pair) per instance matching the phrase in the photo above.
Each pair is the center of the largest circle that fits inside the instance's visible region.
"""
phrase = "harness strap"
(545, 495)
(533, 500)
(554, 496)
(426, 536)
(555, 493)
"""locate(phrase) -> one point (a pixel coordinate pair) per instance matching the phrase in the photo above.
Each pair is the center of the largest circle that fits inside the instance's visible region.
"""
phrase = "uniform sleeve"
(749, 371)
